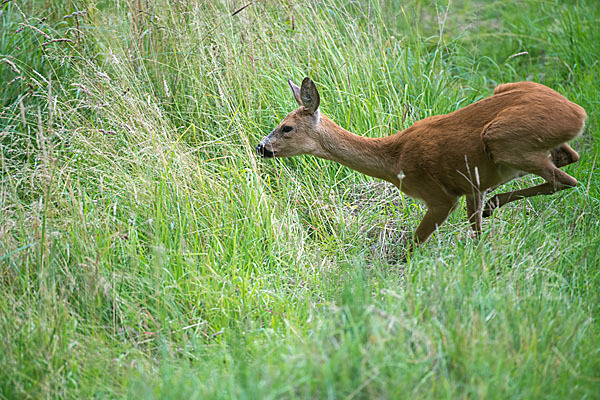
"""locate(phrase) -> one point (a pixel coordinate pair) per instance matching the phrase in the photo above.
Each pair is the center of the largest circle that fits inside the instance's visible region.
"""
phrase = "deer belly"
(419, 186)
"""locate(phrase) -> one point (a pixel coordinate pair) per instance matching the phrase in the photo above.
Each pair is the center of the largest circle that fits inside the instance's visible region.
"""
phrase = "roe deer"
(522, 128)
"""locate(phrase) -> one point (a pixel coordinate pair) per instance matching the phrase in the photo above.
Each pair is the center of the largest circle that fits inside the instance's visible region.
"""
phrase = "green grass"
(145, 251)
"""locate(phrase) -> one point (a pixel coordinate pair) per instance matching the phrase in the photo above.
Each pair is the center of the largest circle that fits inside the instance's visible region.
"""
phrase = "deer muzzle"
(264, 152)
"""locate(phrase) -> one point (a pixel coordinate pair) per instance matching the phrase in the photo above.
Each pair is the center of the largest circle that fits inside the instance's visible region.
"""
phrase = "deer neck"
(370, 156)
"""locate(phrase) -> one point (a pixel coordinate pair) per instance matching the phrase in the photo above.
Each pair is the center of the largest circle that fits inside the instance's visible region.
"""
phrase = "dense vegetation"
(145, 251)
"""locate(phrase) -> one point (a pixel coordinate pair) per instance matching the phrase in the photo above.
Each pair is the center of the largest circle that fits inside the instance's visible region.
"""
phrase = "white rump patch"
(581, 130)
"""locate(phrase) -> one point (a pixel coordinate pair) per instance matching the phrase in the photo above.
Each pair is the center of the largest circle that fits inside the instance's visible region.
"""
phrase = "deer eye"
(286, 129)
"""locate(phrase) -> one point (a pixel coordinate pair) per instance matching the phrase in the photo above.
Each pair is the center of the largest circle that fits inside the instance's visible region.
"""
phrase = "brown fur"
(523, 128)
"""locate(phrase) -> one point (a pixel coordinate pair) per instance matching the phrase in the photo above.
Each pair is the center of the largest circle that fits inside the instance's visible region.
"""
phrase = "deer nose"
(263, 151)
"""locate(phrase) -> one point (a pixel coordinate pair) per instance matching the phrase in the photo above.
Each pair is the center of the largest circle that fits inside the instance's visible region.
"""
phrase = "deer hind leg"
(563, 155)
(560, 156)
(539, 164)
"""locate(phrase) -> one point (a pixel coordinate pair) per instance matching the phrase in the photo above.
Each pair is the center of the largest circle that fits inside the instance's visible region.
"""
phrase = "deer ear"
(309, 95)
(295, 91)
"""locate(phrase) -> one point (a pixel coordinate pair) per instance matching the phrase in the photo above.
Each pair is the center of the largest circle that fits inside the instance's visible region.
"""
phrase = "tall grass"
(146, 252)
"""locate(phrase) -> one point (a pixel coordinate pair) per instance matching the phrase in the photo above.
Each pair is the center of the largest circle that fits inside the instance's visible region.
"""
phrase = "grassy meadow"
(147, 252)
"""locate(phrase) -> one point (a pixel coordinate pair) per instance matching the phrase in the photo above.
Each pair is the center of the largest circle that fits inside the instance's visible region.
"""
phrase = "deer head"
(298, 132)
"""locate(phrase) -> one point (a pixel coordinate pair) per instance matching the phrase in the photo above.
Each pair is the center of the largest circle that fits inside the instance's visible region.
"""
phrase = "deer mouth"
(262, 151)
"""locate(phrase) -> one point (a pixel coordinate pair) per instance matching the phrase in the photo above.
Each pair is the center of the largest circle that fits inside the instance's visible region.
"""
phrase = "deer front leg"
(474, 202)
(434, 217)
